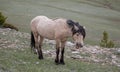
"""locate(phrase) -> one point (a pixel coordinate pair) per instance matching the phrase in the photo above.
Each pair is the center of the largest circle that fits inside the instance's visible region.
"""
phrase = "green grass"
(22, 60)
(96, 15)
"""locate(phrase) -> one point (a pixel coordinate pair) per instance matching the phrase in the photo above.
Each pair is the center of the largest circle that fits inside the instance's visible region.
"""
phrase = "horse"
(55, 29)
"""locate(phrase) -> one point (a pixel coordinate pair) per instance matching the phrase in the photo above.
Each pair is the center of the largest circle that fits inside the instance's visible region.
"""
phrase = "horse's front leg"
(40, 48)
(57, 51)
(62, 52)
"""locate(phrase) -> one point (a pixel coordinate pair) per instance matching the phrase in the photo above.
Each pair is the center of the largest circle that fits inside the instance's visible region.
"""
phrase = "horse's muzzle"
(79, 45)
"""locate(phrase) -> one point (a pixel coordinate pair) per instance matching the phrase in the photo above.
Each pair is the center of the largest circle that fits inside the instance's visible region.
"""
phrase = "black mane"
(80, 28)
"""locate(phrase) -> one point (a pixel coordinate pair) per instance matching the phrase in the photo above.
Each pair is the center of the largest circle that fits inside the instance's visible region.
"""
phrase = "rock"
(118, 65)
(96, 60)
(37, 63)
(52, 42)
(77, 57)
(118, 51)
(24, 62)
(113, 56)
(113, 61)
(75, 52)
(69, 44)
(13, 39)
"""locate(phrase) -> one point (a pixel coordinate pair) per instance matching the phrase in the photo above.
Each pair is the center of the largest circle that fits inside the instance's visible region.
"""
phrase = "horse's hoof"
(40, 58)
(57, 62)
(62, 63)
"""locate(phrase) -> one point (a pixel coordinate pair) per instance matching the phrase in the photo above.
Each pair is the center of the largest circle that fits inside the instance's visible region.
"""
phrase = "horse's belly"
(46, 32)
(48, 35)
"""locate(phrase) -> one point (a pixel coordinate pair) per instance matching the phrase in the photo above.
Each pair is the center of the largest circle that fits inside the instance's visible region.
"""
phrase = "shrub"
(110, 44)
(2, 19)
(6, 25)
(105, 42)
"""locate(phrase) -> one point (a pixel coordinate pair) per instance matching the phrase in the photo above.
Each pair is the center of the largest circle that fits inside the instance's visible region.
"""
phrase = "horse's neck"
(69, 32)
(62, 24)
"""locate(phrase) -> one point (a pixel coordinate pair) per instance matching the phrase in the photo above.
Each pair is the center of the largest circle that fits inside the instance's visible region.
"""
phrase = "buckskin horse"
(55, 29)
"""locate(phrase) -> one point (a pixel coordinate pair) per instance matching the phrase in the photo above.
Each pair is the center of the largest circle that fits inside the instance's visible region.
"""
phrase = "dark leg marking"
(40, 47)
(40, 52)
(62, 57)
(57, 56)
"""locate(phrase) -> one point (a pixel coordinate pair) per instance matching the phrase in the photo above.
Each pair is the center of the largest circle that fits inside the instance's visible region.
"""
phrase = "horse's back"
(38, 19)
(44, 26)
(50, 28)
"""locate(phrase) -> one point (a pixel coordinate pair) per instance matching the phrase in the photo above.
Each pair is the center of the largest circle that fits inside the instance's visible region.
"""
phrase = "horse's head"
(78, 33)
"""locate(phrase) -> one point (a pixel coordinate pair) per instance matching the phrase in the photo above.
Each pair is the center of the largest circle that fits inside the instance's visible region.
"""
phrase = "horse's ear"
(70, 23)
(84, 27)
(77, 23)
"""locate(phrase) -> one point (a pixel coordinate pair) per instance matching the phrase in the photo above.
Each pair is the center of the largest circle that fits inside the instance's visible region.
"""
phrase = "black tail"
(32, 41)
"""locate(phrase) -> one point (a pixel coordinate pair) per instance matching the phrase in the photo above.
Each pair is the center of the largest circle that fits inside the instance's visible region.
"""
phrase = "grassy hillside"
(16, 56)
(22, 60)
(96, 15)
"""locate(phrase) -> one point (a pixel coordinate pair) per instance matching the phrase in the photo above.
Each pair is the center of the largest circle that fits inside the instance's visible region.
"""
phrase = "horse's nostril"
(79, 45)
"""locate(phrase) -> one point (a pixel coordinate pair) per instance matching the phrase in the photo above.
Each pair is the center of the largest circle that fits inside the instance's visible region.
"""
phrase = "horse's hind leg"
(40, 49)
(35, 34)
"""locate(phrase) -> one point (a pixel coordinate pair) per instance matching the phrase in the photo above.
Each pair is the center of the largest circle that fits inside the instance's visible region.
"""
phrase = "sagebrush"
(2, 19)
(105, 42)
(6, 25)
